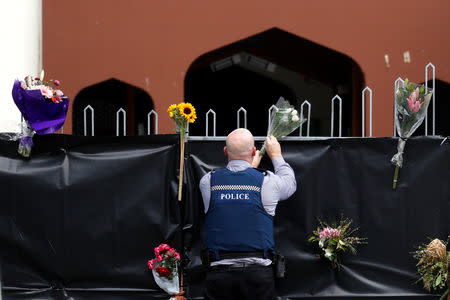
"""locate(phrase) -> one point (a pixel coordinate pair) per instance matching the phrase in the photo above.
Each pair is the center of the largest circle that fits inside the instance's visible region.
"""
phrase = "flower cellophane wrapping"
(411, 106)
(284, 119)
(172, 287)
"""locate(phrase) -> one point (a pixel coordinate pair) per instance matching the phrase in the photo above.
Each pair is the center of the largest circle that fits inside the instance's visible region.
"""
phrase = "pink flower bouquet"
(333, 240)
(411, 105)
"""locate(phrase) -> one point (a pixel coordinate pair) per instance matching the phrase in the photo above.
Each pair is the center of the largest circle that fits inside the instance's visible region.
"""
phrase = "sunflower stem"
(180, 182)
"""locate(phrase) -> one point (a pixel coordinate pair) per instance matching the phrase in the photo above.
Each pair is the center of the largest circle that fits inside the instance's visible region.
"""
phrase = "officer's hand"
(256, 159)
(273, 148)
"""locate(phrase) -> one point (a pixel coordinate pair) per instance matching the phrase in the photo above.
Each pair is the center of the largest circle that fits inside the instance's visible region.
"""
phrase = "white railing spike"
(121, 110)
(85, 120)
(340, 115)
(433, 96)
(238, 117)
(207, 122)
(308, 120)
(149, 115)
(363, 100)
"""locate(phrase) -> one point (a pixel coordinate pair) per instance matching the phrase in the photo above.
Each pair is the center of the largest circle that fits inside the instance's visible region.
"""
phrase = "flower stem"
(445, 294)
(263, 149)
(180, 182)
(394, 184)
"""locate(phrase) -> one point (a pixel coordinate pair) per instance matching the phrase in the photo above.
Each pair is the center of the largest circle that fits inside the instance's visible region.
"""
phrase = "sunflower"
(192, 118)
(171, 108)
(187, 111)
(170, 114)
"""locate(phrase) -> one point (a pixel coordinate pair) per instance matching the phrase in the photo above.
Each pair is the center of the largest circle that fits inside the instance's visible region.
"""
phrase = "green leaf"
(352, 249)
(422, 89)
(438, 281)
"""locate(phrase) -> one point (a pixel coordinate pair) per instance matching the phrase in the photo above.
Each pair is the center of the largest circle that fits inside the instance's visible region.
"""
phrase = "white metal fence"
(241, 114)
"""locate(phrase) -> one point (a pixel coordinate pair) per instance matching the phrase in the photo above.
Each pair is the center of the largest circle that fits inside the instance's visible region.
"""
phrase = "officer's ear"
(225, 151)
(253, 151)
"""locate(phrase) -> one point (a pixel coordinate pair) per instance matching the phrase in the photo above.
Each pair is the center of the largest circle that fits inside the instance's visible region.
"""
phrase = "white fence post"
(340, 115)
(238, 117)
(149, 122)
(363, 97)
(207, 122)
(434, 103)
(85, 120)
(308, 120)
(121, 110)
(397, 83)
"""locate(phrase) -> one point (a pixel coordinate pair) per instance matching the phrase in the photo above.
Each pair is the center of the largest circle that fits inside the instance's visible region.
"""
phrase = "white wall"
(20, 52)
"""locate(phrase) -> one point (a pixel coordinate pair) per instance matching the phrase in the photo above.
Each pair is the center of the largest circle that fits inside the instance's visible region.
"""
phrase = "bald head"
(240, 145)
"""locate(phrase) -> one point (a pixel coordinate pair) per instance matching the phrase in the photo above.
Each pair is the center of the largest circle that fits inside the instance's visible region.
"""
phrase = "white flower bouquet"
(283, 121)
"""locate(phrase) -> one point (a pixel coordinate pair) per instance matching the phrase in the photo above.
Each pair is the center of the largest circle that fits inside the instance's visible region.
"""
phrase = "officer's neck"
(239, 161)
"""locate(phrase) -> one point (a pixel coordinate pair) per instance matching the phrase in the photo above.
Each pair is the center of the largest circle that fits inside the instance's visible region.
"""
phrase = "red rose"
(163, 271)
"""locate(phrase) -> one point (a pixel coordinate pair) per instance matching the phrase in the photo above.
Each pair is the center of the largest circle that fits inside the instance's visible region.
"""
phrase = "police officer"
(240, 204)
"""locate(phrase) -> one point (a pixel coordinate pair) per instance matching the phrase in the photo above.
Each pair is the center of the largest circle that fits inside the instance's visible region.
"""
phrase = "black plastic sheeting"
(79, 220)
(352, 177)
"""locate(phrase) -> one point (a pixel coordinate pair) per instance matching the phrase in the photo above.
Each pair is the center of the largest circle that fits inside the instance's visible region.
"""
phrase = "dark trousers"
(251, 282)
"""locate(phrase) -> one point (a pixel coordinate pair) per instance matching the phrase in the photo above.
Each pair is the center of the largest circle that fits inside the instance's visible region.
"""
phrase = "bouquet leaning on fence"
(434, 266)
(164, 268)
(411, 105)
(43, 107)
(284, 119)
(181, 114)
(333, 240)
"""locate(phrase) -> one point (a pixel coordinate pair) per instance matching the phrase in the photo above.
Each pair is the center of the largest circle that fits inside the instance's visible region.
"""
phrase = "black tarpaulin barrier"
(80, 219)
(352, 177)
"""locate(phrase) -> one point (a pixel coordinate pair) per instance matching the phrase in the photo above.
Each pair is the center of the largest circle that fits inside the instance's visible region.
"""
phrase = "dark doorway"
(442, 103)
(106, 98)
(253, 73)
(230, 89)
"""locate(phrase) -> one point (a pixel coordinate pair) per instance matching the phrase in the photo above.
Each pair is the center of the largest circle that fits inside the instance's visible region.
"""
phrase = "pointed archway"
(442, 125)
(255, 72)
(106, 98)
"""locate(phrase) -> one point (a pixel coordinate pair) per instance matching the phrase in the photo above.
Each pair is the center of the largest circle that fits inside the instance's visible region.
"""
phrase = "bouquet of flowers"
(181, 114)
(43, 107)
(165, 269)
(434, 266)
(333, 240)
(411, 104)
(283, 121)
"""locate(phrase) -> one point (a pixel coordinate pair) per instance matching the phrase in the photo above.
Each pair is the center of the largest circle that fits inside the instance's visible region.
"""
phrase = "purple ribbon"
(43, 115)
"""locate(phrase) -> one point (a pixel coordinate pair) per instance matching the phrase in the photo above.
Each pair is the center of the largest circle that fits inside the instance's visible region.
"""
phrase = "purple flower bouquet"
(43, 107)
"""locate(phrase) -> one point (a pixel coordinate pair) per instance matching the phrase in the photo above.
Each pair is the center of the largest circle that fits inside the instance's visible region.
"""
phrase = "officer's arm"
(285, 179)
(205, 189)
